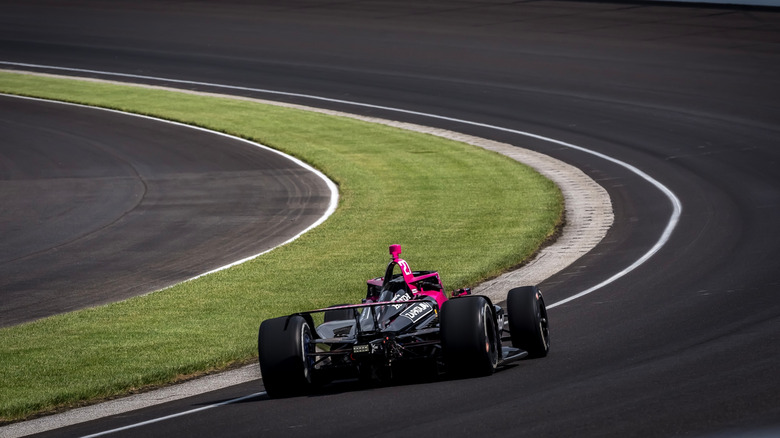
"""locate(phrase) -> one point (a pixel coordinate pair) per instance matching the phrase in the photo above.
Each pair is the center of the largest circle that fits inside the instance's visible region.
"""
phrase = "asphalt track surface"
(88, 195)
(684, 345)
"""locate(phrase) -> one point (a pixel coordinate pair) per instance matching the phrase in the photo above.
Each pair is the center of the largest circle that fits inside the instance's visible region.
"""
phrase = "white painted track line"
(334, 191)
(177, 415)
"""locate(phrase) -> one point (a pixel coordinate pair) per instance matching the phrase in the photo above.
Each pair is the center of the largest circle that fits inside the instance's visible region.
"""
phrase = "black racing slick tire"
(528, 323)
(283, 344)
(470, 341)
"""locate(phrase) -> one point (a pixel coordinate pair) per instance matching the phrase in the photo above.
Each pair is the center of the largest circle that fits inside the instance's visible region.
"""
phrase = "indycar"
(406, 322)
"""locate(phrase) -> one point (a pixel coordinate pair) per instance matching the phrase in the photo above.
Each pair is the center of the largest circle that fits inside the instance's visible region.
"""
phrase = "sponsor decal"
(404, 297)
(417, 311)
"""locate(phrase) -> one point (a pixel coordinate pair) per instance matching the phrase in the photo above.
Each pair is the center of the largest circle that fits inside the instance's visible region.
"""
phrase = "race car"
(406, 322)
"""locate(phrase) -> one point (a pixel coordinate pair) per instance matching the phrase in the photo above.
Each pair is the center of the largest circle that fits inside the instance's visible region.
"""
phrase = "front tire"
(469, 338)
(528, 324)
(283, 344)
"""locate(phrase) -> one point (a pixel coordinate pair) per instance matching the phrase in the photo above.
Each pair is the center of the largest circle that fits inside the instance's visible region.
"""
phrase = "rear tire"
(469, 338)
(282, 344)
(528, 324)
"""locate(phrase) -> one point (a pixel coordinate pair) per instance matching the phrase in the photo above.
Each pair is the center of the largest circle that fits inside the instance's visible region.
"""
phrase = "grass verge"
(467, 212)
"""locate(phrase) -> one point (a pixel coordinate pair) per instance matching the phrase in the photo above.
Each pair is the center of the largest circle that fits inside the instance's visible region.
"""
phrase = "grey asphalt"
(685, 345)
(99, 206)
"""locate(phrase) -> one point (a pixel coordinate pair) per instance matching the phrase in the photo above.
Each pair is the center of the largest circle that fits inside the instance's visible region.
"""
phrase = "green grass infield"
(464, 211)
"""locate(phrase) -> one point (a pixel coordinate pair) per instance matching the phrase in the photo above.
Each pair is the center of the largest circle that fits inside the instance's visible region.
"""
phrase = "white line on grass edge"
(334, 191)
(664, 238)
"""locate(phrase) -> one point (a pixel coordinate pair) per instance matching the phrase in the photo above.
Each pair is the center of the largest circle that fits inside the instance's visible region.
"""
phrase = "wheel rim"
(544, 329)
(490, 344)
(308, 362)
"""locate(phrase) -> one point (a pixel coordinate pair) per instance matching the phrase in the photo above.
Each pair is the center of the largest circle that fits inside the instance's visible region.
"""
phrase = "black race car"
(406, 322)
